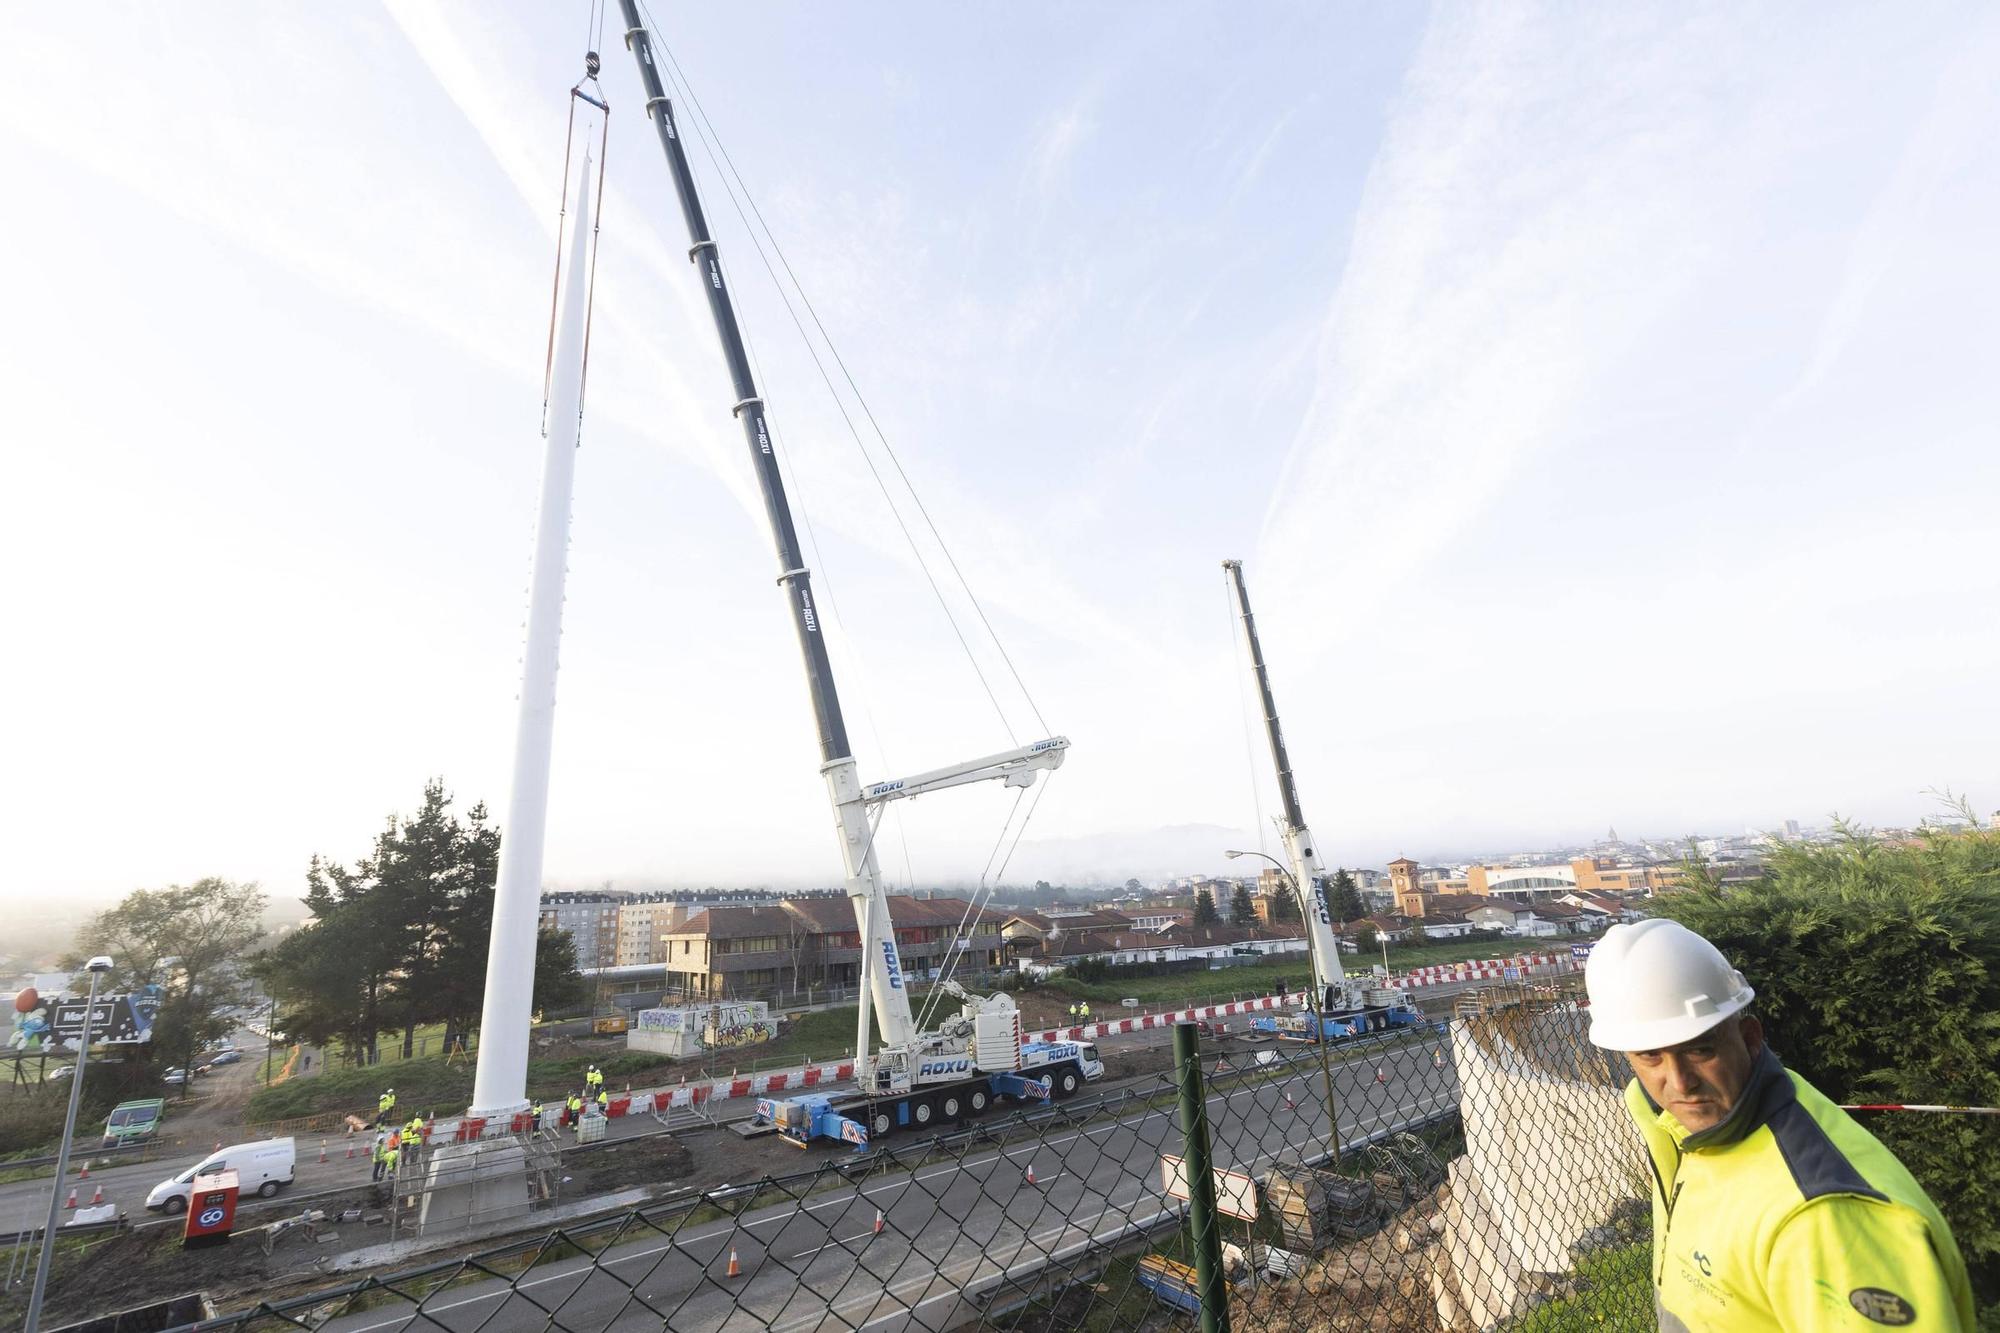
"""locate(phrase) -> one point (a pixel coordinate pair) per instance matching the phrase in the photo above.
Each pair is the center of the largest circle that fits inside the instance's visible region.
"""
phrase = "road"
(948, 1231)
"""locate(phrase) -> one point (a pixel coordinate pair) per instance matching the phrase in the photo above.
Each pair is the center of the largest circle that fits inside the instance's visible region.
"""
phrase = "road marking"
(837, 1240)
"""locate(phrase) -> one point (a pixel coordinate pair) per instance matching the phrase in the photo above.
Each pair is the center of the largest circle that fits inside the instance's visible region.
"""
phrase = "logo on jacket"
(1701, 1260)
(1884, 1307)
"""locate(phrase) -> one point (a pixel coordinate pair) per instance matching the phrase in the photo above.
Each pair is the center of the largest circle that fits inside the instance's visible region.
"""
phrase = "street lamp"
(98, 967)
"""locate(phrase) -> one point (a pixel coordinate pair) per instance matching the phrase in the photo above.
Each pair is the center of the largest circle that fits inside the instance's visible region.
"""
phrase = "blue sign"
(1581, 951)
(895, 967)
(210, 1217)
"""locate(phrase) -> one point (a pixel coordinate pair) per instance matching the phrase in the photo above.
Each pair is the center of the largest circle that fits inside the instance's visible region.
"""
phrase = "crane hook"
(590, 64)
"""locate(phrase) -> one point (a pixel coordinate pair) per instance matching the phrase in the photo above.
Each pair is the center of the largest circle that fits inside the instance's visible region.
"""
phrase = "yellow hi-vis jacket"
(1789, 1215)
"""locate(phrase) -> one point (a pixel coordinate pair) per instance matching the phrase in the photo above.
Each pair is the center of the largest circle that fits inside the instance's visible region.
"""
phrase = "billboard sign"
(54, 1023)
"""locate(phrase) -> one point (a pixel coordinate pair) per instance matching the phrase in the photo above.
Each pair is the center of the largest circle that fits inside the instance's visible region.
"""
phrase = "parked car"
(132, 1122)
(60, 1072)
(174, 1077)
(262, 1168)
(229, 1055)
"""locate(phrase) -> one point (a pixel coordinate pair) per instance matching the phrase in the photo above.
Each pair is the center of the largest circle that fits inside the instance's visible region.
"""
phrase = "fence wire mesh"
(1475, 1172)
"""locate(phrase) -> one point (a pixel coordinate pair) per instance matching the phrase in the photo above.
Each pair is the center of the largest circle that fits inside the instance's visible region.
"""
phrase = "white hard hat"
(1655, 984)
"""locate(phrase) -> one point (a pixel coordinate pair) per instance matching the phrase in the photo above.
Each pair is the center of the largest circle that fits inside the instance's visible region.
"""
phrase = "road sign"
(1235, 1193)
(1579, 952)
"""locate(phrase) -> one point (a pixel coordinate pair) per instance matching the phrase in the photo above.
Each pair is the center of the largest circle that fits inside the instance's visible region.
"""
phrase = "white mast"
(500, 1086)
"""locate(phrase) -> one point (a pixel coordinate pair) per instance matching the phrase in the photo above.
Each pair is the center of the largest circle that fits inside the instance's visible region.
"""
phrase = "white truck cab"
(262, 1168)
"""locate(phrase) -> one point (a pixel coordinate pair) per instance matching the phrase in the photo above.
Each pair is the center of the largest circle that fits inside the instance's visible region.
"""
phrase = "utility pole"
(98, 967)
(270, 1040)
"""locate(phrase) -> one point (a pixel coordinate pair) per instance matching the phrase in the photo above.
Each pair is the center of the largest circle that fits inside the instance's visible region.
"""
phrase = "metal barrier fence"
(1475, 1174)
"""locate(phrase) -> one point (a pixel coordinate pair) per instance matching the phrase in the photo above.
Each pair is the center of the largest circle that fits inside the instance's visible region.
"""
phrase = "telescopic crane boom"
(908, 1058)
(1343, 1009)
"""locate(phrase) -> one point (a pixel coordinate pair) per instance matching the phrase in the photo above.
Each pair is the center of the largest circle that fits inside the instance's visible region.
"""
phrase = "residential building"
(589, 919)
(640, 924)
(812, 943)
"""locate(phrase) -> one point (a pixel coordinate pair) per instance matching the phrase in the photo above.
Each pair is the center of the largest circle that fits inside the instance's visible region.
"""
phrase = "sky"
(1602, 399)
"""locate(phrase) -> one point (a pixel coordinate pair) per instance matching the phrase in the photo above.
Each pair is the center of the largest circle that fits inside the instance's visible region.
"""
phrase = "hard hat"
(1655, 984)
(392, 1092)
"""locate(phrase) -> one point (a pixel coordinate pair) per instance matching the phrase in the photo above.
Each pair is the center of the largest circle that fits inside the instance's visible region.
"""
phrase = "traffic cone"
(878, 1221)
(84, 1174)
(1290, 1105)
(350, 1150)
(1031, 1173)
(97, 1194)
(735, 1269)
(322, 1152)
(1380, 1077)
(1437, 1059)
(72, 1197)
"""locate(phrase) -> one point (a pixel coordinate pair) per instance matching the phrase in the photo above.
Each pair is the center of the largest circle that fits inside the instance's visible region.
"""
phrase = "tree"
(187, 940)
(400, 938)
(1877, 969)
(1285, 906)
(1204, 909)
(1242, 911)
(1343, 899)
(1133, 886)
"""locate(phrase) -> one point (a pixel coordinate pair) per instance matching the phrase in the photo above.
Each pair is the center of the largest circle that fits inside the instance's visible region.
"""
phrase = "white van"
(262, 1168)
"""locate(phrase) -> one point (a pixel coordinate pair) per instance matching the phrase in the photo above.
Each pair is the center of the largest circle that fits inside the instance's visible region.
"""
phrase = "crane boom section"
(1300, 850)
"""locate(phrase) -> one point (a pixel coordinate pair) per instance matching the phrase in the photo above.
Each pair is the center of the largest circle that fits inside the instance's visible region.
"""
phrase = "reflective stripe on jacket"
(1790, 1216)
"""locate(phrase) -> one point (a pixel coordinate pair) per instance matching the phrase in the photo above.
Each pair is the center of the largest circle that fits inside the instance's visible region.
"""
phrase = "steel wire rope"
(951, 965)
(694, 104)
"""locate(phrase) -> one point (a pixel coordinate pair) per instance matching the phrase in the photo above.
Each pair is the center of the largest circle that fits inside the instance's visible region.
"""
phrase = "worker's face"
(1700, 1081)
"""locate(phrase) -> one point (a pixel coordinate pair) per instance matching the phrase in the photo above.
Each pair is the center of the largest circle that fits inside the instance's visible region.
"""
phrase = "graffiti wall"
(696, 1029)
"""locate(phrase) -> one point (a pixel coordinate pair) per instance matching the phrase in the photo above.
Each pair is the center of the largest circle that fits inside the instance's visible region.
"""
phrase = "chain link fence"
(1474, 1173)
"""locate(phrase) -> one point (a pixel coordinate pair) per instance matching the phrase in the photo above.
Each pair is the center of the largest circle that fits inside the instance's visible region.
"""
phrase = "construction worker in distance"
(592, 1080)
(379, 1154)
(385, 1106)
(1772, 1208)
(390, 1156)
(535, 1112)
(1072, 1012)
(603, 1103)
(1083, 1011)
(573, 1110)
(413, 1134)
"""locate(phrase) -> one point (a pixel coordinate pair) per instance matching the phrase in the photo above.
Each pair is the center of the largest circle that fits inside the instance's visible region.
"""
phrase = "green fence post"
(1200, 1181)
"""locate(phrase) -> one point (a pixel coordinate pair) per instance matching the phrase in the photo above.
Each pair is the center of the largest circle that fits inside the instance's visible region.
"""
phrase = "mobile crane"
(1341, 1009)
(917, 1077)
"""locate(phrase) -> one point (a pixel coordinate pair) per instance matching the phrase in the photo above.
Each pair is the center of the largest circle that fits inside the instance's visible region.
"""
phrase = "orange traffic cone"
(1031, 1173)
(878, 1221)
(1437, 1059)
(350, 1150)
(97, 1194)
(84, 1174)
(72, 1198)
(1290, 1105)
(735, 1269)
(322, 1152)
(1380, 1077)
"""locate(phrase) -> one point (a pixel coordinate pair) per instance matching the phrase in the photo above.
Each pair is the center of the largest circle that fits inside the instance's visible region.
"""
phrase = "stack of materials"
(1317, 1208)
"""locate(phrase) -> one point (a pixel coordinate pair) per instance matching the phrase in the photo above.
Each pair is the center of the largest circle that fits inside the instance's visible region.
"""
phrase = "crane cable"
(576, 94)
(727, 172)
(1232, 617)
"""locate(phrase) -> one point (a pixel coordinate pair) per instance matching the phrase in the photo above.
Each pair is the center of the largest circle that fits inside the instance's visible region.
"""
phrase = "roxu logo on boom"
(895, 968)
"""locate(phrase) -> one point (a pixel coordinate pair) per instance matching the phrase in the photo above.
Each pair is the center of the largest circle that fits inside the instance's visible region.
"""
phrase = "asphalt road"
(949, 1231)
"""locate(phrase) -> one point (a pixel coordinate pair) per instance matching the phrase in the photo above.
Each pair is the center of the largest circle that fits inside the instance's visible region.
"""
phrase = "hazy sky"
(1602, 398)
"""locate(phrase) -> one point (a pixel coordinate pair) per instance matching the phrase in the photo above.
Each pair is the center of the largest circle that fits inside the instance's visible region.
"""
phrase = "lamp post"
(270, 1040)
(1315, 1000)
(98, 967)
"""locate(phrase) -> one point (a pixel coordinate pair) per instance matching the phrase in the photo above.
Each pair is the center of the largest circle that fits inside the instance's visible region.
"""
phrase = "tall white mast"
(500, 1085)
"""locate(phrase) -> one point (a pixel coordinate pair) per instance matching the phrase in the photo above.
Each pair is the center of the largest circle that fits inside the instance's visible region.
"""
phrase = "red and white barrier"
(798, 1080)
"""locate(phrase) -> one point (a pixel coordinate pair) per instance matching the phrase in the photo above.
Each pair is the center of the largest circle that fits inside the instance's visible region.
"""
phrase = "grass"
(1615, 1291)
(1263, 975)
(426, 1084)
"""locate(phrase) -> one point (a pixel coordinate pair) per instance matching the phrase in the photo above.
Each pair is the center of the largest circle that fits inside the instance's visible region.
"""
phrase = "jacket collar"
(1768, 1091)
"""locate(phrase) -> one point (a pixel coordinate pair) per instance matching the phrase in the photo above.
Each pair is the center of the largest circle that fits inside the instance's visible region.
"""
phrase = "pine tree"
(1242, 912)
(1343, 899)
(1204, 909)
